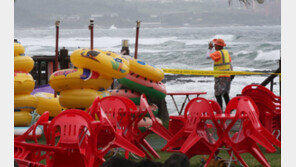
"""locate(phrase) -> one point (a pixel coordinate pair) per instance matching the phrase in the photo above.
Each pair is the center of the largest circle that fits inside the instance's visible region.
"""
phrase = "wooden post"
(124, 48)
(63, 58)
(137, 37)
(91, 28)
(57, 23)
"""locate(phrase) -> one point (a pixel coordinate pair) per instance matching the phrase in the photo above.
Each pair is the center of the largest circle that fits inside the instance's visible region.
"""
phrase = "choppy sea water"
(252, 48)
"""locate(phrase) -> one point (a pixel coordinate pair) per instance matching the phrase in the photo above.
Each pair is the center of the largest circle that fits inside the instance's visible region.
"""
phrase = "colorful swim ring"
(47, 102)
(77, 98)
(132, 95)
(77, 79)
(145, 70)
(25, 102)
(18, 49)
(142, 85)
(22, 118)
(23, 63)
(23, 83)
(99, 62)
(115, 55)
(21, 130)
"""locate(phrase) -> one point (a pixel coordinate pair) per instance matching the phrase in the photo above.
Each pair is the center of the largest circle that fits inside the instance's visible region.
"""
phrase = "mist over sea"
(252, 48)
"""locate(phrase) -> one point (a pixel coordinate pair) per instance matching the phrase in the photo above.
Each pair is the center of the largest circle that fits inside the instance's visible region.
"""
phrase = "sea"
(252, 48)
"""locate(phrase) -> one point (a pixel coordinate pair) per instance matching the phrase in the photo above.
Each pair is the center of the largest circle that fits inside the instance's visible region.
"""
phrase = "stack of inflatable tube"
(144, 78)
(24, 84)
(78, 87)
(94, 75)
(154, 89)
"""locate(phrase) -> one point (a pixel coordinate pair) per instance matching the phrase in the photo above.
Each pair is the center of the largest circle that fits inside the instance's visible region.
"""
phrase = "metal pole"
(57, 23)
(91, 28)
(137, 37)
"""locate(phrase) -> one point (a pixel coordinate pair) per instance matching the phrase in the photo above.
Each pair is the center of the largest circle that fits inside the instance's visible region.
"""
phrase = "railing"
(271, 78)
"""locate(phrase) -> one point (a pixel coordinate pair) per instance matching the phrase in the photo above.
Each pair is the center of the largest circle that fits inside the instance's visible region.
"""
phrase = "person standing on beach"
(222, 62)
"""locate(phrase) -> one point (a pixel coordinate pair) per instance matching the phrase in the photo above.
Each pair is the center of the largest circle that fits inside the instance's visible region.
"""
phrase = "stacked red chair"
(124, 117)
(118, 116)
(249, 135)
(73, 139)
(194, 139)
(269, 106)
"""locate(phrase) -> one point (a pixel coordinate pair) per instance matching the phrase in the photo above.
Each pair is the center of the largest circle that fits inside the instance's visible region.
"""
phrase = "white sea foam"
(155, 41)
(113, 27)
(270, 55)
(225, 37)
(194, 41)
(243, 52)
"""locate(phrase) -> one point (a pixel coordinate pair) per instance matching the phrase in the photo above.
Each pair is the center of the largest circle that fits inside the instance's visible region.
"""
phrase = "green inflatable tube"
(148, 91)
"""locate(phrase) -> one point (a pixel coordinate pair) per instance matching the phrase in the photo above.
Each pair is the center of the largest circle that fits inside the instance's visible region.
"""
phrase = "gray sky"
(165, 13)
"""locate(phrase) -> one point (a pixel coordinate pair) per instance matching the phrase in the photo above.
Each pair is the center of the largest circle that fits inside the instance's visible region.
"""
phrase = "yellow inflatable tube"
(23, 83)
(77, 98)
(18, 49)
(22, 118)
(77, 79)
(25, 102)
(23, 63)
(145, 70)
(99, 62)
(47, 102)
(114, 55)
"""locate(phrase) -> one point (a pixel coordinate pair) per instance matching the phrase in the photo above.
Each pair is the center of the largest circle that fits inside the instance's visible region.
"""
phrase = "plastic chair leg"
(217, 145)
(256, 152)
(141, 148)
(173, 140)
(161, 131)
(149, 148)
(271, 138)
(191, 140)
(257, 137)
(241, 160)
(122, 142)
(126, 154)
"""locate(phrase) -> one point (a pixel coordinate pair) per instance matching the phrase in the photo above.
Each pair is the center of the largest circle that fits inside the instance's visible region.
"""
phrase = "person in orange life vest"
(222, 62)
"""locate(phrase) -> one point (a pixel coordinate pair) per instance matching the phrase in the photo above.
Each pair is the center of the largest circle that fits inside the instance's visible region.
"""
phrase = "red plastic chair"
(261, 90)
(25, 151)
(135, 135)
(114, 113)
(251, 133)
(193, 139)
(73, 130)
(177, 122)
(269, 106)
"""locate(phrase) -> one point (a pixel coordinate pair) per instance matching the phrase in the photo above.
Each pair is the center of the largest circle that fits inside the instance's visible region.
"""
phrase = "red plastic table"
(186, 94)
